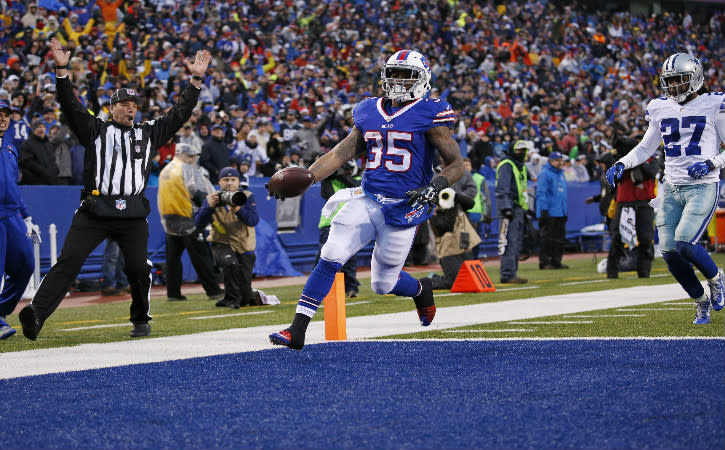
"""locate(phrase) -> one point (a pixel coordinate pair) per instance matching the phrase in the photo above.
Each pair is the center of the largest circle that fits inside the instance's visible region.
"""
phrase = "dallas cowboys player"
(397, 134)
(691, 122)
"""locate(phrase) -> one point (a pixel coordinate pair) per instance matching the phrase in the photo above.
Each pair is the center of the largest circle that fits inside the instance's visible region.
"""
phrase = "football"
(290, 182)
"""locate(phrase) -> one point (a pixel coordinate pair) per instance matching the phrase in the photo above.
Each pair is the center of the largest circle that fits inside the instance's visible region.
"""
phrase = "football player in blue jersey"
(691, 122)
(16, 251)
(397, 136)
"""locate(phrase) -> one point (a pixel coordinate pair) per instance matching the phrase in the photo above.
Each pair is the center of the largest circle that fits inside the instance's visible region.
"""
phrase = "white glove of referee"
(33, 229)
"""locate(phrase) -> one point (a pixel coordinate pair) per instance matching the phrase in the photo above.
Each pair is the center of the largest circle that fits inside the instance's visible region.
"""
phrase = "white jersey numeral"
(398, 159)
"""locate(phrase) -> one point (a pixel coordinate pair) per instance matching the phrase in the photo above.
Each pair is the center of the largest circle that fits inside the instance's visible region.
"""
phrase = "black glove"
(427, 195)
(507, 213)
(544, 216)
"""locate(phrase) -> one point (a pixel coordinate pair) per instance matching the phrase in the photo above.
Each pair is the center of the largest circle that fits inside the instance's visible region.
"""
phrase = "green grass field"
(72, 326)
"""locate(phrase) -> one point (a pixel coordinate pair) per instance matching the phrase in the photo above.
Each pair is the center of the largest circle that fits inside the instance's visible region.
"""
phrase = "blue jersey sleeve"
(442, 113)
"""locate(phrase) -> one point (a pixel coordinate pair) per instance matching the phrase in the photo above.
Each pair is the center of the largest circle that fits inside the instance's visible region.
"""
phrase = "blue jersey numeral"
(670, 129)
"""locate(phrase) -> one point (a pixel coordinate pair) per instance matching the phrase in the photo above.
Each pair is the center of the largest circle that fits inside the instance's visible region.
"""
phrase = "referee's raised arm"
(80, 121)
(165, 127)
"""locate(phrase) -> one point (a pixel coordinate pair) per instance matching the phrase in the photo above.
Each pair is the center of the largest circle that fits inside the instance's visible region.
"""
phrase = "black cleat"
(140, 330)
(285, 338)
(29, 320)
(224, 303)
(424, 302)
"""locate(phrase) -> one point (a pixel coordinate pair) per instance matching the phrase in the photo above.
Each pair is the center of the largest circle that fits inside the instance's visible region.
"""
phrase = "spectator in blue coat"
(551, 212)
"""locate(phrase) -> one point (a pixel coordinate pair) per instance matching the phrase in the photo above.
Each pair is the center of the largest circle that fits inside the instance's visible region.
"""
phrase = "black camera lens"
(227, 198)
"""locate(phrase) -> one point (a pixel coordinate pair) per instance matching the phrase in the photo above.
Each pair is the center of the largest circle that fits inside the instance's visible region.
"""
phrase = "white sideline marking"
(447, 295)
(581, 338)
(607, 315)
(504, 330)
(583, 282)
(553, 322)
(517, 288)
(250, 313)
(111, 325)
(655, 309)
(157, 349)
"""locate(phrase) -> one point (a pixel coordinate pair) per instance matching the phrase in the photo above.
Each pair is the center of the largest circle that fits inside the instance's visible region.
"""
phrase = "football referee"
(117, 161)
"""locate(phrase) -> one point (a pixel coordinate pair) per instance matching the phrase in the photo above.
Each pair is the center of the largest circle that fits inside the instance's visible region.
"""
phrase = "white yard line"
(138, 351)
(504, 330)
(552, 322)
(110, 325)
(583, 282)
(596, 316)
(217, 316)
(657, 309)
(517, 288)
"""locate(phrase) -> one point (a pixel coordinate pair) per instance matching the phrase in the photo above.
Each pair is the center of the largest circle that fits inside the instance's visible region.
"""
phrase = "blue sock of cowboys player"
(318, 285)
(683, 272)
(698, 256)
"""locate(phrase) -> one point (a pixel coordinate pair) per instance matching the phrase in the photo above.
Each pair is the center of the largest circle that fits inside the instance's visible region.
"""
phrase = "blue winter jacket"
(11, 202)
(551, 192)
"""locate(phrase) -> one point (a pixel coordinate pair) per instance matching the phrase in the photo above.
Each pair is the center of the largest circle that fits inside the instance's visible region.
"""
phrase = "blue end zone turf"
(616, 394)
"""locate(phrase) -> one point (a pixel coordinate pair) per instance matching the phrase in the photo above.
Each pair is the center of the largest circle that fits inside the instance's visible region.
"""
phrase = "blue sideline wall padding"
(56, 204)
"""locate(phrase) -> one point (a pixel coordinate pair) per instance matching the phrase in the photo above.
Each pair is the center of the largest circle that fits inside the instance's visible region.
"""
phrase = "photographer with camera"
(633, 193)
(233, 216)
(455, 236)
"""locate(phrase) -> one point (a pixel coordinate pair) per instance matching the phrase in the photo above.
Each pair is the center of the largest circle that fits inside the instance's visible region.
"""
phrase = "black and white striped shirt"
(118, 158)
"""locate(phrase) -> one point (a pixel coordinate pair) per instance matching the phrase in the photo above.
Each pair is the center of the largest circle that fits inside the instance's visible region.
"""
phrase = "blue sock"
(318, 285)
(697, 255)
(407, 286)
(683, 272)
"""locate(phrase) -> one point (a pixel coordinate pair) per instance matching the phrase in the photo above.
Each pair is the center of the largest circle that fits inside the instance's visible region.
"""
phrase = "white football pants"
(360, 221)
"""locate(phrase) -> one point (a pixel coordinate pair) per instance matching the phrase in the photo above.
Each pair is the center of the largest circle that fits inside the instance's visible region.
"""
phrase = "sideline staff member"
(118, 155)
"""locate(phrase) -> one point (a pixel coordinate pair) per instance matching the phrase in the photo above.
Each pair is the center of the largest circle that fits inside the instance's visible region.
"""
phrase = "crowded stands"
(285, 75)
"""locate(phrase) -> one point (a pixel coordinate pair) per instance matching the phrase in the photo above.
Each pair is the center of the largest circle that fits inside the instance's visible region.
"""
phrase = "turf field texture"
(109, 322)
(609, 394)
(570, 360)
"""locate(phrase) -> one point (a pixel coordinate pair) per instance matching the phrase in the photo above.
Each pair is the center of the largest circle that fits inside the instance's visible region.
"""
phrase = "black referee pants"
(84, 235)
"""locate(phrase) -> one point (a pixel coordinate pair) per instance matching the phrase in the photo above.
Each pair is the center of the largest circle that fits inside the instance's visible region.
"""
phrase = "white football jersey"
(691, 133)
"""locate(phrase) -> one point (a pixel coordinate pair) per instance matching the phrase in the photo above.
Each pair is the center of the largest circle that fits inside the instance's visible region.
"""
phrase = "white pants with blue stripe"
(359, 222)
(685, 212)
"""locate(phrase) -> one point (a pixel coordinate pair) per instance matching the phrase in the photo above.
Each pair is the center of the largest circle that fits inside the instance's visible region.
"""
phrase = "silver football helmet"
(406, 76)
(682, 75)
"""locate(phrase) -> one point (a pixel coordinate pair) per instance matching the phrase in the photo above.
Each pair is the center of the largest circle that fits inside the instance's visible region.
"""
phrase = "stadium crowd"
(285, 75)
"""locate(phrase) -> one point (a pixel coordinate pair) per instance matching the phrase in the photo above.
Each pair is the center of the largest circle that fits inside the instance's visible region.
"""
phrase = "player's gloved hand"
(614, 174)
(427, 196)
(33, 229)
(507, 213)
(700, 169)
